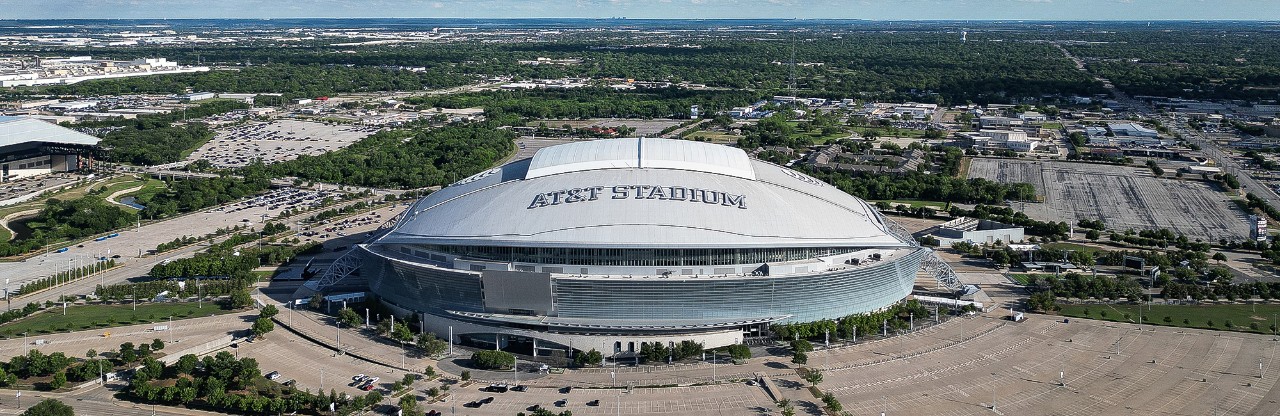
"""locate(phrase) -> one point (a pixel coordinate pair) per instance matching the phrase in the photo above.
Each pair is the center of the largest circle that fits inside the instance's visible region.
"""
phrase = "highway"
(1229, 164)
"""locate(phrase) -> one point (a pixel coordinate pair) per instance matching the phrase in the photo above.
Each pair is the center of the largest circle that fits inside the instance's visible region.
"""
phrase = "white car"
(358, 377)
(273, 375)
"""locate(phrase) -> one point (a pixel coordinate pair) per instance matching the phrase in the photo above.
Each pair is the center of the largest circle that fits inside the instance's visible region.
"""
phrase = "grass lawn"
(1052, 126)
(82, 317)
(1188, 316)
(146, 184)
(1073, 246)
(1022, 278)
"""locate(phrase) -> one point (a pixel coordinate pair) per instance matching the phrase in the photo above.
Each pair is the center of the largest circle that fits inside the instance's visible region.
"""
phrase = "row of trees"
(895, 317)
(601, 102)
(66, 276)
(226, 384)
(867, 64)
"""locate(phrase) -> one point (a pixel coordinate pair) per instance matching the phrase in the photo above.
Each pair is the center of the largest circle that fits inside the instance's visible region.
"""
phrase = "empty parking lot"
(1123, 196)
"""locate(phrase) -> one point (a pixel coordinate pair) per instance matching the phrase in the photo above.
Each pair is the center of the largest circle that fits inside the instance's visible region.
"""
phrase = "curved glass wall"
(639, 257)
(808, 297)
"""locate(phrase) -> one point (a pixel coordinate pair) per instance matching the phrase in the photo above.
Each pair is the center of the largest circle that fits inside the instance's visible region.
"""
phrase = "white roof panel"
(643, 207)
(17, 130)
(641, 153)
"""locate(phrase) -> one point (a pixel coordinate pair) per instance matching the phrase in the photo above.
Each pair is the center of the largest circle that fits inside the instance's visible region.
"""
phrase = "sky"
(655, 9)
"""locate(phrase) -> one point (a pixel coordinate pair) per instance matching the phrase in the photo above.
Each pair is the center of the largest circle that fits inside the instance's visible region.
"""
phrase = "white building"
(1032, 117)
(1131, 129)
(1015, 140)
(994, 121)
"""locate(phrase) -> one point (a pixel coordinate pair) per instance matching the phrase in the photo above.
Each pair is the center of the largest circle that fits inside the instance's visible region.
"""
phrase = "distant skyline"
(654, 9)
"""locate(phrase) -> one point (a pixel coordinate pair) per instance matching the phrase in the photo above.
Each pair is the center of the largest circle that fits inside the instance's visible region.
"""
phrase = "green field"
(1198, 316)
(1072, 246)
(1022, 278)
(82, 317)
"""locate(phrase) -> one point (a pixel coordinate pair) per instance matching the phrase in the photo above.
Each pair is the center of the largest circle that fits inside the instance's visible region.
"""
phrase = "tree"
(1000, 258)
(7, 379)
(186, 364)
(432, 345)
(738, 351)
(50, 407)
(589, 358)
(800, 358)
(493, 360)
(1093, 235)
(349, 317)
(1219, 257)
(801, 345)
(268, 311)
(240, 299)
(127, 353)
(262, 326)
(465, 375)
(831, 403)
(91, 353)
(59, 380)
(157, 344)
(409, 404)
(813, 376)
(430, 372)
(316, 301)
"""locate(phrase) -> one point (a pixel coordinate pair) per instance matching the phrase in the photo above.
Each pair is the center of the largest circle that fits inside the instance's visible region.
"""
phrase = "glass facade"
(807, 297)
(639, 257)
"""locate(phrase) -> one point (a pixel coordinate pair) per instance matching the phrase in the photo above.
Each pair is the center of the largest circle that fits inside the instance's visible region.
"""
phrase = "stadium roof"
(640, 153)
(603, 194)
(18, 130)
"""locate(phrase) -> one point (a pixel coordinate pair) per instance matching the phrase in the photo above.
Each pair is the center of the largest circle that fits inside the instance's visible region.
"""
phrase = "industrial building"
(610, 243)
(976, 231)
(30, 147)
(1131, 129)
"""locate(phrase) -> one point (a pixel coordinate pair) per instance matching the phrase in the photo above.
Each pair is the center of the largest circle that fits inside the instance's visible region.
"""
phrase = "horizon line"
(663, 19)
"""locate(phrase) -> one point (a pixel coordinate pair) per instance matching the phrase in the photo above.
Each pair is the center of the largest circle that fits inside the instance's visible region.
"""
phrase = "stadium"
(30, 147)
(610, 243)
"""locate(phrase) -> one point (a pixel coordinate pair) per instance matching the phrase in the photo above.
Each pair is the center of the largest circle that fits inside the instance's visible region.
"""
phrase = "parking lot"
(37, 184)
(1123, 196)
(313, 366)
(182, 334)
(277, 141)
(132, 243)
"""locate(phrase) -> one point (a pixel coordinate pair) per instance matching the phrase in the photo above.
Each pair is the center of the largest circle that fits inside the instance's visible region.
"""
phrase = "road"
(147, 237)
(96, 400)
(1210, 148)
(1229, 164)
